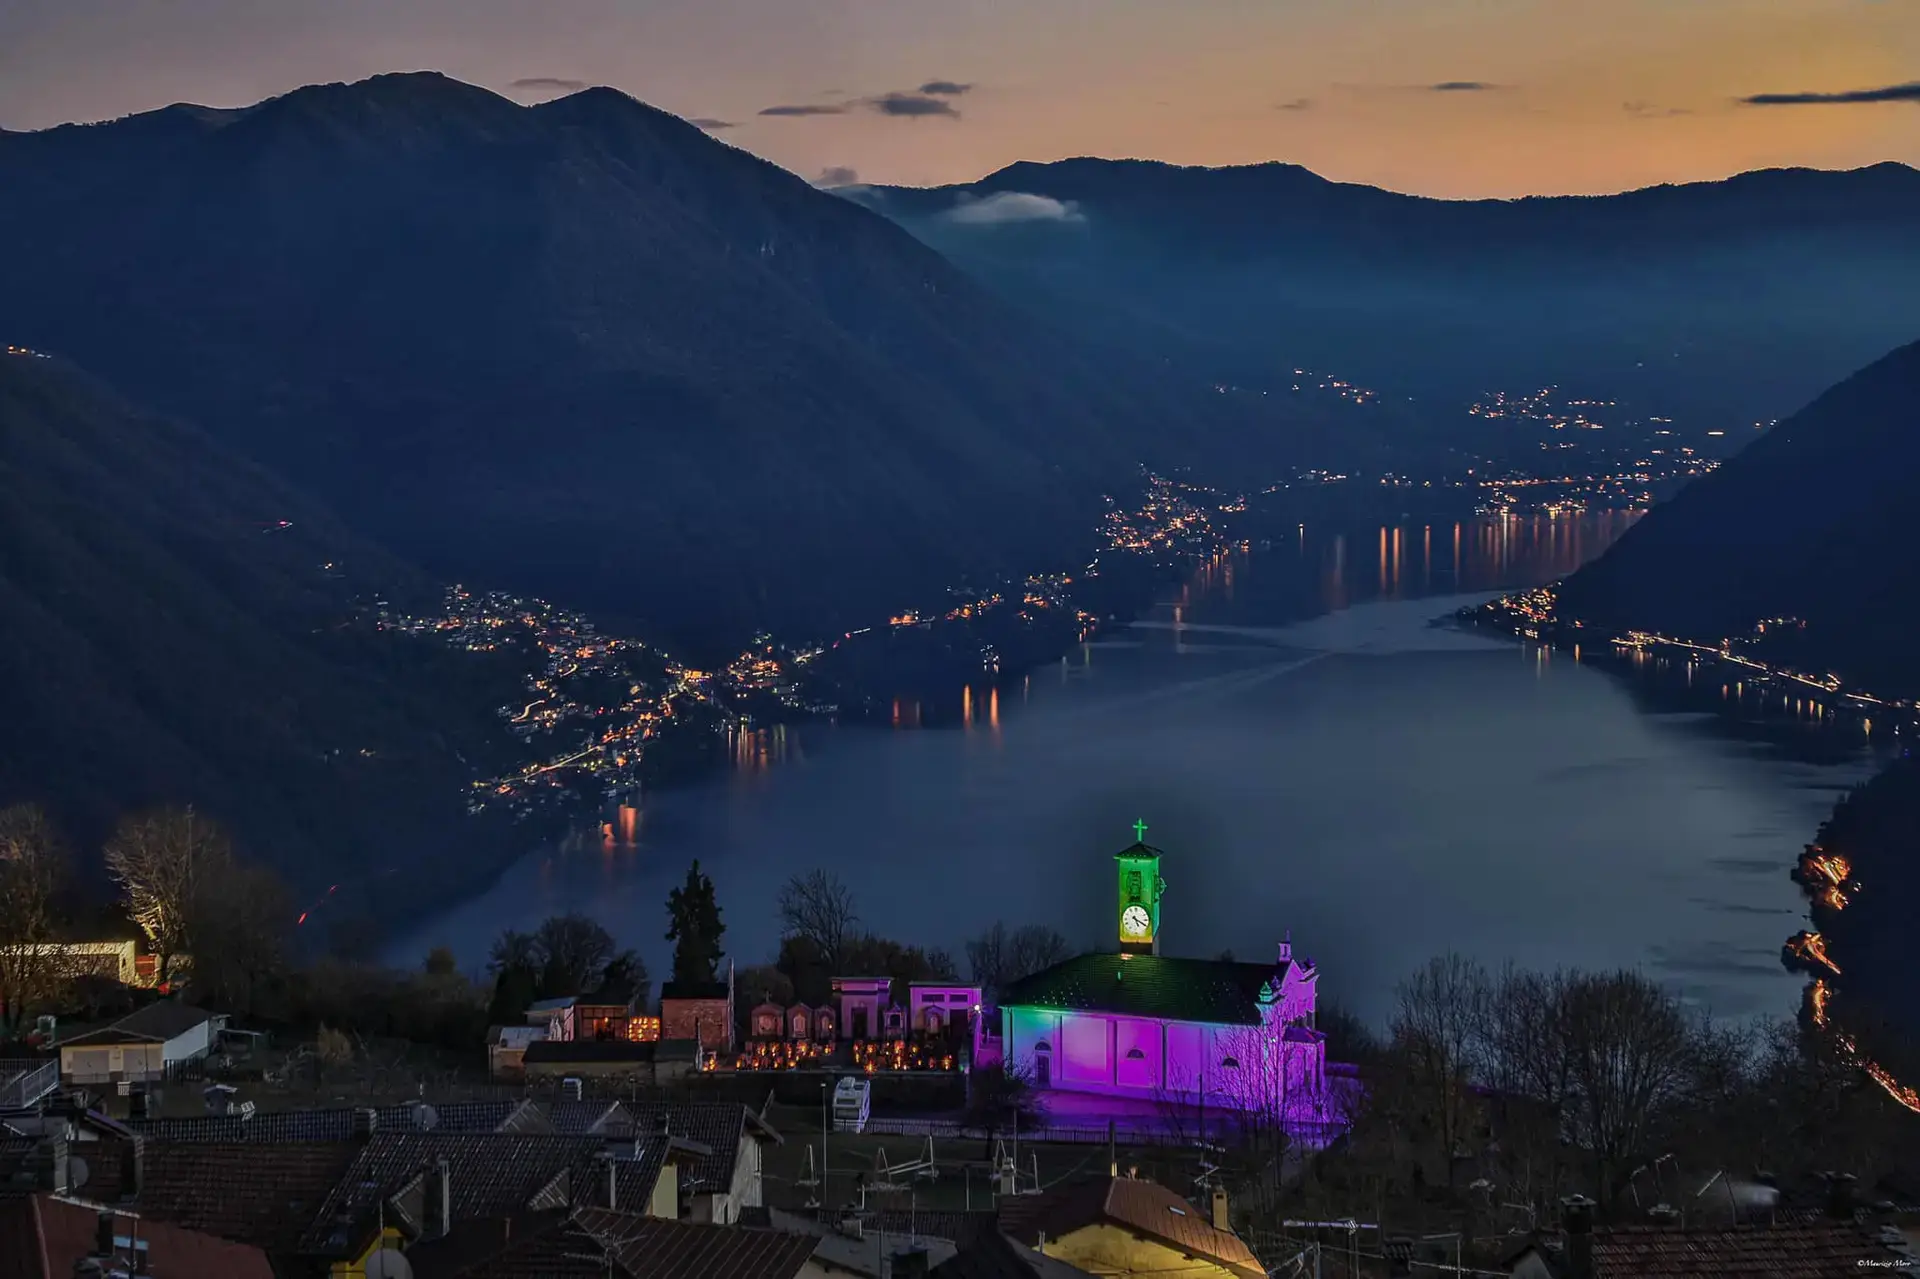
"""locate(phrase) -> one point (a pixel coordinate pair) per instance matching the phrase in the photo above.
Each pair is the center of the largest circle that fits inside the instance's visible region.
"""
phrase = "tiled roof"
(1825, 1250)
(1217, 991)
(1142, 1206)
(653, 1248)
(591, 1243)
(42, 1237)
(583, 1118)
(994, 1256)
(492, 1175)
(156, 1023)
(955, 1227)
(337, 1123)
(265, 1195)
(717, 1125)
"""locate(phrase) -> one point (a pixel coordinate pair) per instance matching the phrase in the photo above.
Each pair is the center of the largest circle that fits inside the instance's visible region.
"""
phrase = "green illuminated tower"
(1140, 891)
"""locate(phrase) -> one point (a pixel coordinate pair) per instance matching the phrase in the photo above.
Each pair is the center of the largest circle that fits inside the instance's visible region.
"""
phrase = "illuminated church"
(1137, 1024)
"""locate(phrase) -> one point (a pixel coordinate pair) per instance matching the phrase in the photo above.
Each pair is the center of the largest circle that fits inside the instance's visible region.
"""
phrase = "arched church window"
(1229, 1063)
(1134, 1054)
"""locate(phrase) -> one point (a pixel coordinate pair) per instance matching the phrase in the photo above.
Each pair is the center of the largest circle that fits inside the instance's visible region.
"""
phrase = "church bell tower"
(1140, 891)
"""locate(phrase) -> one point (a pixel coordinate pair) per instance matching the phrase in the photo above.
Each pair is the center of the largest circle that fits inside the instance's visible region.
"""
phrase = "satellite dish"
(425, 1117)
(389, 1264)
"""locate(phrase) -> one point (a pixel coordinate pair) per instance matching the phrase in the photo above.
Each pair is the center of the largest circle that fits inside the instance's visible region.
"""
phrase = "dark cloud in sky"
(945, 88)
(1462, 86)
(837, 175)
(912, 105)
(1297, 104)
(710, 124)
(542, 82)
(1888, 93)
(819, 108)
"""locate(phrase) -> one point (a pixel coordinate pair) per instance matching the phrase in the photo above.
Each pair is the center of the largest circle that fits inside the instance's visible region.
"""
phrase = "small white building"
(507, 1049)
(141, 1046)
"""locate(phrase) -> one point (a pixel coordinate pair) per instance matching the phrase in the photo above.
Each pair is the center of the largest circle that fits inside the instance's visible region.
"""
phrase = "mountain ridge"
(1808, 522)
(1737, 298)
(181, 629)
(461, 321)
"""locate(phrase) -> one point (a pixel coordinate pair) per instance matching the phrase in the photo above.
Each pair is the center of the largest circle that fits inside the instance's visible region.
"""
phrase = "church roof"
(1219, 991)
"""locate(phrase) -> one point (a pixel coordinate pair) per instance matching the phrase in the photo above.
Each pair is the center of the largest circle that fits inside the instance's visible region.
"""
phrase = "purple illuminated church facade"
(1136, 1024)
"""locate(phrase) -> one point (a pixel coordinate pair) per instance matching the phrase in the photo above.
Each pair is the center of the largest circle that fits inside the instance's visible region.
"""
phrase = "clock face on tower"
(1136, 924)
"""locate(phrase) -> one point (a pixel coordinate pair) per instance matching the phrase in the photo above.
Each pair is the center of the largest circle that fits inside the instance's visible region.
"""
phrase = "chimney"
(50, 1166)
(133, 1165)
(1840, 1200)
(365, 1122)
(912, 1264)
(1578, 1221)
(609, 1180)
(139, 1105)
(1221, 1221)
(439, 1207)
(571, 1087)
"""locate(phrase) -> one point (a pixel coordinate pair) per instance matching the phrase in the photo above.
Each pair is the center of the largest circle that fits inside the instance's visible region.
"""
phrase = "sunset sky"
(1441, 97)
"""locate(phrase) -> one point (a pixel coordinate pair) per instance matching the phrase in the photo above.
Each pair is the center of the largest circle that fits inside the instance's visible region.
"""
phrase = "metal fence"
(25, 1081)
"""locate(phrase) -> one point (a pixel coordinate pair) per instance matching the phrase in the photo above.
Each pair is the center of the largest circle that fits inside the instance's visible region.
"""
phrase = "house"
(340, 1123)
(715, 1187)
(1136, 1024)
(507, 1048)
(995, 1256)
(854, 1249)
(400, 1189)
(611, 1015)
(43, 1237)
(1814, 1249)
(114, 960)
(596, 1241)
(259, 1194)
(555, 1016)
(141, 1046)
(1125, 1227)
(698, 1010)
(655, 1062)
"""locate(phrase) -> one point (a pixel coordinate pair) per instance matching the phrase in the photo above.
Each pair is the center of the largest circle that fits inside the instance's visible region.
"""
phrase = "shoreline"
(1827, 878)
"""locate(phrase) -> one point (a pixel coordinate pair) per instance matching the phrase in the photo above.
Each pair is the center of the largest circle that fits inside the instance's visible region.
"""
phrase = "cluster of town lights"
(874, 1057)
(782, 1055)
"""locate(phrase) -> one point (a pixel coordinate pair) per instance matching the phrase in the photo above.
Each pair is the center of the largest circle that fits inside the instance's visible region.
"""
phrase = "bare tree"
(819, 908)
(1000, 956)
(1629, 1051)
(33, 862)
(1436, 1038)
(238, 921)
(574, 951)
(160, 861)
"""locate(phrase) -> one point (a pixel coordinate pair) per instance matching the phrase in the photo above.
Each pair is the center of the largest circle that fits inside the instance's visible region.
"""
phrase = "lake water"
(1313, 755)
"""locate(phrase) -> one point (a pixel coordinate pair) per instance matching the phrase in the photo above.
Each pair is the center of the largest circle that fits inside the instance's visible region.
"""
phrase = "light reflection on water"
(1312, 755)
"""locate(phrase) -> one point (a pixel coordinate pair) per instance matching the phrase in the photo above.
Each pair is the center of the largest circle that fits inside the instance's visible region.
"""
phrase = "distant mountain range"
(1813, 521)
(581, 350)
(176, 631)
(1737, 299)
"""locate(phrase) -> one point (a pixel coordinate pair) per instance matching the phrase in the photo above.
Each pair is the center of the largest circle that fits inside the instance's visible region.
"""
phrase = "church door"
(1042, 1066)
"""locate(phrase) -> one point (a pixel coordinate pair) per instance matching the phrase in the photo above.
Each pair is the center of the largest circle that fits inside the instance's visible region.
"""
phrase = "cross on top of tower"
(1140, 831)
